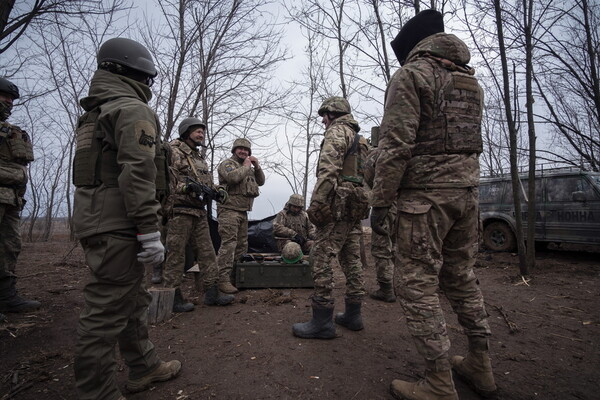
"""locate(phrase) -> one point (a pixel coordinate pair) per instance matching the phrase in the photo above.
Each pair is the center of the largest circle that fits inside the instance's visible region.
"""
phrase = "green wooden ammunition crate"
(273, 274)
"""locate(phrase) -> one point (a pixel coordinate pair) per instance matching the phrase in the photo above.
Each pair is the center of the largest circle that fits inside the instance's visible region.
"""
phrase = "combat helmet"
(241, 142)
(186, 124)
(128, 53)
(336, 105)
(296, 200)
(9, 88)
(291, 253)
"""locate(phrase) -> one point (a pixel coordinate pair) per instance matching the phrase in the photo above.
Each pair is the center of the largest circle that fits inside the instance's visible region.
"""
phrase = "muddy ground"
(545, 344)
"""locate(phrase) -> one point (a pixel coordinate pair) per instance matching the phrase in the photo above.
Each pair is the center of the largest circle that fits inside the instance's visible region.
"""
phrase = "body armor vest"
(95, 164)
(456, 126)
(15, 144)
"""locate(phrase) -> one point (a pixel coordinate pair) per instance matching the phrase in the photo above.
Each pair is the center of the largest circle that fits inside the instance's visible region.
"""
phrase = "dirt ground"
(545, 343)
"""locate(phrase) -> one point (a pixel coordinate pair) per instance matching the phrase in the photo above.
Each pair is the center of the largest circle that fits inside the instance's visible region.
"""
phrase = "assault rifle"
(203, 191)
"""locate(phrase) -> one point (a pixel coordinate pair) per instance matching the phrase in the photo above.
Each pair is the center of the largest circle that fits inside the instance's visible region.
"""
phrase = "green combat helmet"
(186, 124)
(296, 200)
(336, 105)
(291, 253)
(241, 142)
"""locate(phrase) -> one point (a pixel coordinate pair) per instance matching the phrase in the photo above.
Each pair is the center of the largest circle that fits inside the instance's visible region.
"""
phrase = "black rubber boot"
(212, 297)
(179, 304)
(351, 318)
(384, 293)
(157, 274)
(10, 301)
(320, 326)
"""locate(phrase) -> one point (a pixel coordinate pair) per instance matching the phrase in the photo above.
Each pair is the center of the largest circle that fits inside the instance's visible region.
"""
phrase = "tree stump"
(161, 306)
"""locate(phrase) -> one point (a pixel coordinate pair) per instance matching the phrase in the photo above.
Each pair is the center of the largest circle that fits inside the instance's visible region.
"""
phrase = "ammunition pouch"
(320, 214)
(350, 203)
(18, 144)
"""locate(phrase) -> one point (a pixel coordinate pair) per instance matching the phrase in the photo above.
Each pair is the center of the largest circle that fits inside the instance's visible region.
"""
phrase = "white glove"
(154, 251)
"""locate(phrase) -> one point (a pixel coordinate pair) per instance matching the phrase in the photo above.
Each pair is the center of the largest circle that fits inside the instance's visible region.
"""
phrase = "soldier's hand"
(254, 161)
(153, 250)
(247, 162)
(221, 196)
(193, 188)
(298, 238)
(319, 214)
(378, 215)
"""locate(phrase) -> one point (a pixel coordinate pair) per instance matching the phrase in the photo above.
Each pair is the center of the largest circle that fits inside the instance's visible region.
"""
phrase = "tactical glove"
(221, 195)
(319, 214)
(378, 215)
(153, 250)
(193, 188)
(298, 238)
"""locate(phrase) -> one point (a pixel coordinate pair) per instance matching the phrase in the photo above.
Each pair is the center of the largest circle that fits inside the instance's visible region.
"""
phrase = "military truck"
(567, 208)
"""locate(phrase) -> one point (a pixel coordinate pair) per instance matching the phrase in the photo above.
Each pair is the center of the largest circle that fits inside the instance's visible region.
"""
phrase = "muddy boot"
(320, 326)
(351, 318)
(384, 293)
(164, 372)
(227, 287)
(10, 301)
(476, 368)
(212, 297)
(437, 385)
(157, 274)
(179, 303)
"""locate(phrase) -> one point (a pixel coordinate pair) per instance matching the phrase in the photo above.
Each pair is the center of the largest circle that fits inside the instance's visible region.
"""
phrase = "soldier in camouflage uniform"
(15, 153)
(292, 225)
(120, 173)
(339, 202)
(431, 141)
(241, 175)
(188, 220)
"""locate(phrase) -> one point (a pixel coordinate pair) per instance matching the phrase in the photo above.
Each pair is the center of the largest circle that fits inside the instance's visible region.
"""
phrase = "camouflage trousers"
(338, 240)
(233, 229)
(10, 240)
(115, 313)
(437, 238)
(181, 229)
(382, 249)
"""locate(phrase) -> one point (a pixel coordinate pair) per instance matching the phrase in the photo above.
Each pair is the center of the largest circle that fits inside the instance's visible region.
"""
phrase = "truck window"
(562, 188)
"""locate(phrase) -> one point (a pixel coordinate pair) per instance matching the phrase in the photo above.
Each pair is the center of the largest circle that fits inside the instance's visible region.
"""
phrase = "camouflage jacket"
(187, 162)
(287, 225)
(412, 101)
(13, 172)
(240, 182)
(131, 130)
(338, 139)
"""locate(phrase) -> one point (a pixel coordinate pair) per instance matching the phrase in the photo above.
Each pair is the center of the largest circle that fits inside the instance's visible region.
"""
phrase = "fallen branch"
(513, 328)
(566, 337)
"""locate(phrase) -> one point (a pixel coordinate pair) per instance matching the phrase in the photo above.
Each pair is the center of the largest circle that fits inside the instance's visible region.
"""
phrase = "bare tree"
(569, 82)
(217, 63)
(16, 18)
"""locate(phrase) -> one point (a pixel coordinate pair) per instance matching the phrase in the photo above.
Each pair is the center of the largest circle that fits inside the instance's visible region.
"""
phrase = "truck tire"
(498, 236)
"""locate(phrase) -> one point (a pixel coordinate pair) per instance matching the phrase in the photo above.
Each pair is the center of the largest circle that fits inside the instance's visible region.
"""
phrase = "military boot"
(10, 301)
(157, 274)
(164, 372)
(212, 297)
(320, 326)
(437, 385)
(476, 368)
(227, 287)
(351, 318)
(384, 293)
(179, 303)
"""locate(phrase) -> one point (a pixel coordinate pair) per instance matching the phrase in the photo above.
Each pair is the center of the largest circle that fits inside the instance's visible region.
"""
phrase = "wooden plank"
(161, 306)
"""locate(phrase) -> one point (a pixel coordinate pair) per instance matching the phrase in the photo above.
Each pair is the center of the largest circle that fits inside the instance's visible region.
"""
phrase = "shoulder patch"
(145, 134)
